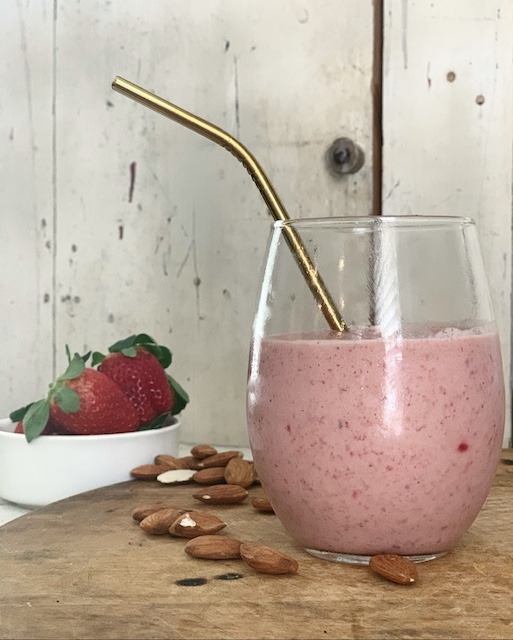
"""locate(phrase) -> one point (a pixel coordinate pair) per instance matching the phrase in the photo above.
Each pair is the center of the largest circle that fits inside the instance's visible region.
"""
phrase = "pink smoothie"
(366, 446)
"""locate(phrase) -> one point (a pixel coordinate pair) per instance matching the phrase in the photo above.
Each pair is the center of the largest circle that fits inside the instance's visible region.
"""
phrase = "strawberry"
(137, 365)
(103, 406)
(80, 401)
(143, 381)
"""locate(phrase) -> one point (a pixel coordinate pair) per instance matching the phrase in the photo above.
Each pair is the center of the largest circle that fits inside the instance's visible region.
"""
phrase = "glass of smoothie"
(384, 437)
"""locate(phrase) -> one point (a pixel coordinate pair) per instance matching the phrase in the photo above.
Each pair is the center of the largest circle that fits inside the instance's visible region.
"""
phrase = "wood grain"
(82, 568)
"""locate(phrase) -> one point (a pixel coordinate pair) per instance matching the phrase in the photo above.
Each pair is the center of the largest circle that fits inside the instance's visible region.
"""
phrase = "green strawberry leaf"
(126, 343)
(163, 354)
(68, 353)
(67, 399)
(181, 396)
(97, 358)
(156, 423)
(75, 368)
(19, 414)
(36, 419)
(143, 338)
(130, 352)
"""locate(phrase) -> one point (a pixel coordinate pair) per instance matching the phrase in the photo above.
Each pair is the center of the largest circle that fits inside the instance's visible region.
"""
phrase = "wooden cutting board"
(82, 568)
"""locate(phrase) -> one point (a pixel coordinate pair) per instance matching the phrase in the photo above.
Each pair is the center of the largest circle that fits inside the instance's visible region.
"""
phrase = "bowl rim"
(103, 437)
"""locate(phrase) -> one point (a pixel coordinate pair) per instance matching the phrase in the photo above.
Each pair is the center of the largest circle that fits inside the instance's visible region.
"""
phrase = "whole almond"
(190, 462)
(261, 503)
(139, 513)
(201, 451)
(222, 494)
(267, 560)
(168, 461)
(212, 475)
(175, 476)
(158, 523)
(147, 471)
(213, 547)
(395, 568)
(240, 472)
(219, 459)
(196, 523)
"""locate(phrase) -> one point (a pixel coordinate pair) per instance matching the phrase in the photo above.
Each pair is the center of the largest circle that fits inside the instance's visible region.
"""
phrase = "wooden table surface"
(82, 568)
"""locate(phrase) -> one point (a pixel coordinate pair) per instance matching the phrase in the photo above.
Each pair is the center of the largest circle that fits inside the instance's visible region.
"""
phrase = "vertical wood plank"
(448, 122)
(26, 218)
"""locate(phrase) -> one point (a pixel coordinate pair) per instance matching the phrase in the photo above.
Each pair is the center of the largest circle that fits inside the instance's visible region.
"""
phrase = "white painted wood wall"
(87, 255)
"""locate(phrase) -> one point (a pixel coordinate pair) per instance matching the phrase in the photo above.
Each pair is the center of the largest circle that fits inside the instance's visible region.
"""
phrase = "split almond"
(196, 523)
(395, 568)
(201, 451)
(240, 472)
(213, 548)
(175, 476)
(219, 459)
(212, 475)
(158, 523)
(147, 471)
(267, 560)
(222, 494)
(139, 513)
(261, 503)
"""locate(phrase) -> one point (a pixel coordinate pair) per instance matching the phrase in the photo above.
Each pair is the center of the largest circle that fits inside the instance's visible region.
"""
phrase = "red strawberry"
(143, 380)
(103, 406)
(51, 429)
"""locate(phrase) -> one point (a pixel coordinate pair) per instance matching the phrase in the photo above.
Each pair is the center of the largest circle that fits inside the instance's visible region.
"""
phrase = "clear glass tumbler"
(383, 438)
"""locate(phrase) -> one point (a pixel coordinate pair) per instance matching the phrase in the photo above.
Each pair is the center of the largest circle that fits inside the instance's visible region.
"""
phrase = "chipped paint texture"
(116, 220)
(448, 122)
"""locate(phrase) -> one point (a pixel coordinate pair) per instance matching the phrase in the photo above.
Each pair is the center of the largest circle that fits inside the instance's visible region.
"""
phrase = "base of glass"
(350, 558)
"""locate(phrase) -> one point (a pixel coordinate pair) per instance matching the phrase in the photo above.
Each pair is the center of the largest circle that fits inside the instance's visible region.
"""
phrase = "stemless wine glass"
(383, 438)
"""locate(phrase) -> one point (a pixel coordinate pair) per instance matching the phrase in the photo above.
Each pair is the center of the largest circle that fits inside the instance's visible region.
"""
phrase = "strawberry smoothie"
(367, 446)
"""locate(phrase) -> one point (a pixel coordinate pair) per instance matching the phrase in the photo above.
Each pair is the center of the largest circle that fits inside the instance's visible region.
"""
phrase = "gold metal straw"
(278, 212)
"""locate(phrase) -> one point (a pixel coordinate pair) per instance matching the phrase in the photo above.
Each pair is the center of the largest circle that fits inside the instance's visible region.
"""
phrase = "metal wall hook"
(344, 157)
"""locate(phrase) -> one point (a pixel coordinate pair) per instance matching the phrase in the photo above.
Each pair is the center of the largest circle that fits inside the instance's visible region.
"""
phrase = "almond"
(175, 476)
(395, 568)
(221, 494)
(147, 471)
(158, 523)
(201, 451)
(212, 475)
(168, 461)
(219, 459)
(267, 560)
(190, 462)
(213, 547)
(261, 503)
(196, 523)
(139, 513)
(240, 472)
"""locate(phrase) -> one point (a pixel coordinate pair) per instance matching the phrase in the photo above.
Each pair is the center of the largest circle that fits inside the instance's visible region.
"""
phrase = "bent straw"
(278, 212)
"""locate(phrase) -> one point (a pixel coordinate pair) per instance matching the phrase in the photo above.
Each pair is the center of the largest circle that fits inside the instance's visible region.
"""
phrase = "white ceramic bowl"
(54, 467)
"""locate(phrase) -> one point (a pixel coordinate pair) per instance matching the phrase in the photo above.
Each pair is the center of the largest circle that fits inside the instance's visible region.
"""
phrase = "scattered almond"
(212, 475)
(267, 560)
(261, 503)
(190, 462)
(158, 523)
(395, 568)
(176, 476)
(213, 547)
(201, 451)
(219, 459)
(139, 513)
(196, 523)
(147, 471)
(222, 494)
(168, 461)
(240, 472)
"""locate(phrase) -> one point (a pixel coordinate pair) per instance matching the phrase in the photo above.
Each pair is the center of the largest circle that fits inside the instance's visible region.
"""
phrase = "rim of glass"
(367, 222)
